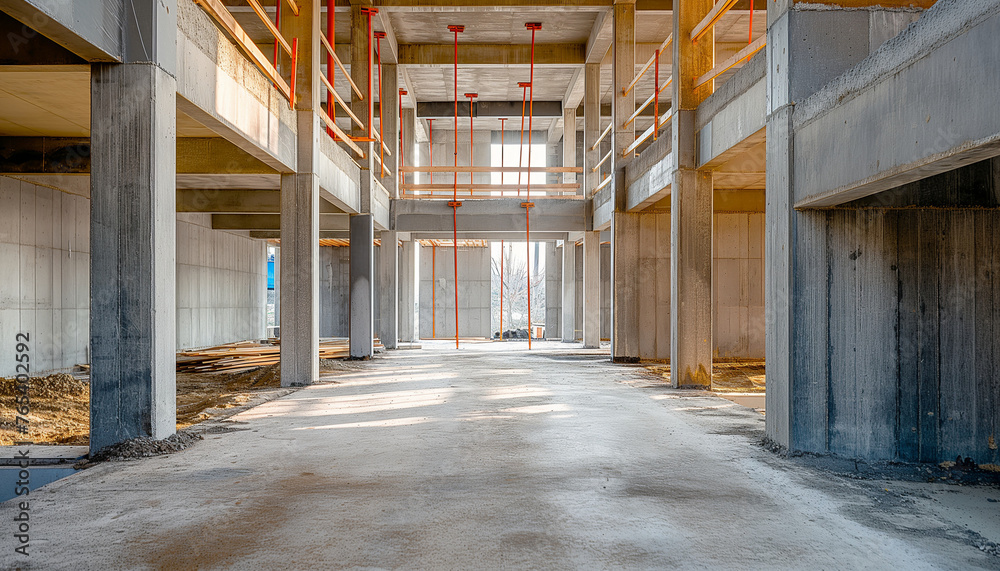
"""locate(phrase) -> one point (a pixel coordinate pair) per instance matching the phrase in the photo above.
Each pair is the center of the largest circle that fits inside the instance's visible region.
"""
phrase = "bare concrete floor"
(487, 458)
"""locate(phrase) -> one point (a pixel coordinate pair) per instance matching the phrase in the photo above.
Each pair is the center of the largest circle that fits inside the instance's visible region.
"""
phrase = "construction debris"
(235, 357)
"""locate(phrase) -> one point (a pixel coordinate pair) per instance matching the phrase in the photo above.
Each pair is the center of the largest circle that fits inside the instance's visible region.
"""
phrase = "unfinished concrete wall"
(605, 291)
(553, 291)
(903, 346)
(738, 288)
(221, 284)
(474, 294)
(45, 286)
(335, 291)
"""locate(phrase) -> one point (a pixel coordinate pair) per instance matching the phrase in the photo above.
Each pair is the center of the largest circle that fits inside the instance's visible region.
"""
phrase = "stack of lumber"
(234, 357)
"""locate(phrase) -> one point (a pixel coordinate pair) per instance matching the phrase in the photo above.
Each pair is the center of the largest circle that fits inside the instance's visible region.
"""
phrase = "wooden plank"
(706, 23)
(347, 108)
(270, 25)
(597, 143)
(333, 55)
(647, 103)
(736, 58)
(649, 62)
(341, 135)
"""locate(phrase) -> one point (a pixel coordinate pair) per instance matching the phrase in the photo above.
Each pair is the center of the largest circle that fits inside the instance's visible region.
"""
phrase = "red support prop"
(455, 203)
(534, 27)
(381, 132)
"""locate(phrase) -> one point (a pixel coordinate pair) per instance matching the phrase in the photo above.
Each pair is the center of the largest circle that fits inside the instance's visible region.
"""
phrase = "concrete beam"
(492, 236)
(945, 124)
(91, 29)
(600, 38)
(508, 55)
(256, 117)
(240, 201)
(495, 215)
(327, 222)
(446, 109)
(648, 177)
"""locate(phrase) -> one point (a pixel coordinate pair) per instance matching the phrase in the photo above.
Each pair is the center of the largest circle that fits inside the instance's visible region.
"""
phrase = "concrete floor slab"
(487, 458)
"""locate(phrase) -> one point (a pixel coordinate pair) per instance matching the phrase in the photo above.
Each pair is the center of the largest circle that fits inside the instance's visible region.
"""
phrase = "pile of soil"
(60, 410)
(146, 447)
(60, 404)
(739, 376)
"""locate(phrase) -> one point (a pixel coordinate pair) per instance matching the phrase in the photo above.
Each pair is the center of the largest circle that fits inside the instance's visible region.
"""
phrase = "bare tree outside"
(515, 289)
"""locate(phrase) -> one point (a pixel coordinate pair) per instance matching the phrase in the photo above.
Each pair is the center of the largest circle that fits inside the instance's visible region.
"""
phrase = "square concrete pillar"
(569, 291)
(300, 305)
(591, 290)
(591, 126)
(409, 310)
(132, 236)
(277, 285)
(388, 290)
(553, 291)
(300, 279)
(389, 128)
(408, 151)
(691, 197)
(362, 286)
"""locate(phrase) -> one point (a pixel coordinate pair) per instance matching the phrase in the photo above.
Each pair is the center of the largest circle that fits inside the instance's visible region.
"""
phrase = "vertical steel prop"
(527, 204)
(454, 201)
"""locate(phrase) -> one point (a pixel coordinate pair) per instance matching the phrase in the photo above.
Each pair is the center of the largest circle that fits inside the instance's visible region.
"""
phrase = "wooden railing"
(224, 18)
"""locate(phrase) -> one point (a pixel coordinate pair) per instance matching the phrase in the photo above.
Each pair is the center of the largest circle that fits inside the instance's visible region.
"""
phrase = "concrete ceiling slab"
(504, 26)
(45, 100)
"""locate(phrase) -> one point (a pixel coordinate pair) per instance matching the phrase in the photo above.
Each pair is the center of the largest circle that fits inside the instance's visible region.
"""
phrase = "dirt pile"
(59, 410)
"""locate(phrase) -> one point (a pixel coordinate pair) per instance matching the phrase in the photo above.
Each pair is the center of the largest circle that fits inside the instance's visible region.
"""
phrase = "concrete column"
(569, 143)
(362, 285)
(388, 289)
(553, 291)
(409, 282)
(390, 125)
(591, 290)
(798, 276)
(691, 197)
(624, 226)
(408, 152)
(569, 291)
(300, 220)
(591, 125)
(132, 236)
(277, 285)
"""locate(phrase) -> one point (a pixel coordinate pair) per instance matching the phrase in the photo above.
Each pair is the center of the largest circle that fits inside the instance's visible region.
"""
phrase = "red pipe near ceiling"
(454, 201)
(533, 26)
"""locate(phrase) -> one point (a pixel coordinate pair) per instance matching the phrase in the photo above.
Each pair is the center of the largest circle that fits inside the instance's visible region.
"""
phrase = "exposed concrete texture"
(553, 291)
(45, 291)
(738, 288)
(334, 291)
(133, 253)
(362, 300)
(440, 460)
(409, 294)
(944, 124)
(474, 294)
(300, 287)
(210, 70)
(89, 28)
(568, 319)
(591, 298)
(387, 319)
(494, 215)
(221, 284)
